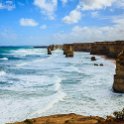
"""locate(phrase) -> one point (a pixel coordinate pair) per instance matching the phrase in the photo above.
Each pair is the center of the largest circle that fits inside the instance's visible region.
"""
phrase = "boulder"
(93, 58)
(101, 64)
(95, 64)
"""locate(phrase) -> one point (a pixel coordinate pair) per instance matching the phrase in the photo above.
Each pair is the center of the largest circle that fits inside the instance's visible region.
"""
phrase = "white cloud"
(1, 6)
(64, 2)
(73, 17)
(43, 27)
(120, 3)
(95, 4)
(90, 34)
(8, 5)
(28, 22)
(47, 7)
(95, 14)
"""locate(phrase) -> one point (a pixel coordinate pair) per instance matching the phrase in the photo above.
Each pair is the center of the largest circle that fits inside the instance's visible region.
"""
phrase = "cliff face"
(118, 85)
(100, 48)
(82, 47)
(68, 50)
(110, 49)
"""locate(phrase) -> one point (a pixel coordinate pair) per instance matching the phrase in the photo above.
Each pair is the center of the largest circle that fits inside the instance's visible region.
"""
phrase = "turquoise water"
(34, 84)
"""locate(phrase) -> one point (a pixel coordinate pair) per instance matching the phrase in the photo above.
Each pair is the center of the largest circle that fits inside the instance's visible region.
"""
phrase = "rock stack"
(49, 51)
(68, 50)
(118, 85)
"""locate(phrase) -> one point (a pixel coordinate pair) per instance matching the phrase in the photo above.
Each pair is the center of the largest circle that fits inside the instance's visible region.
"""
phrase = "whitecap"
(25, 52)
(2, 73)
(4, 58)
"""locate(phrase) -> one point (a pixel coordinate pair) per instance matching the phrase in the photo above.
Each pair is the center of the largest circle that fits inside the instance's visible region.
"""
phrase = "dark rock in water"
(119, 114)
(93, 58)
(95, 64)
(49, 51)
(101, 64)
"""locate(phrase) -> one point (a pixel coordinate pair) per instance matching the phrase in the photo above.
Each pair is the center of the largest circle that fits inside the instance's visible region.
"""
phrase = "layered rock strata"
(85, 47)
(110, 49)
(68, 50)
(118, 85)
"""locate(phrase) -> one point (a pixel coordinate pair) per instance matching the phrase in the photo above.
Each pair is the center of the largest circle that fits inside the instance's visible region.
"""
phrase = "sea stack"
(68, 50)
(49, 50)
(118, 85)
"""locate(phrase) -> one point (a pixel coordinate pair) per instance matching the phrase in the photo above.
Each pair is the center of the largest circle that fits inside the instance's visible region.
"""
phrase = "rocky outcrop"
(71, 119)
(49, 51)
(93, 58)
(99, 48)
(109, 49)
(85, 47)
(118, 85)
(68, 50)
(50, 48)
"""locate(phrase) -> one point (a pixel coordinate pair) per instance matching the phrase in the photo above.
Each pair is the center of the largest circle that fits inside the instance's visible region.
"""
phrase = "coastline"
(73, 118)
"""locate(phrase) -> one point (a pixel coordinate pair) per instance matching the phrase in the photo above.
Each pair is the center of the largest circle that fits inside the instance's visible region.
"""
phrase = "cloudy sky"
(41, 22)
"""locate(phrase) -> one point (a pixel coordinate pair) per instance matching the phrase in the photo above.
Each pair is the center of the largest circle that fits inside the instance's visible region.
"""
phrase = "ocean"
(34, 84)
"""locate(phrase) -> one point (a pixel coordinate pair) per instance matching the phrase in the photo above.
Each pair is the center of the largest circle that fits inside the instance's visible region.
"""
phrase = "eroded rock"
(118, 85)
(93, 58)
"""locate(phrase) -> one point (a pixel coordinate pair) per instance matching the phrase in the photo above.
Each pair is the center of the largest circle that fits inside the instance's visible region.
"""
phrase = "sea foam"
(4, 58)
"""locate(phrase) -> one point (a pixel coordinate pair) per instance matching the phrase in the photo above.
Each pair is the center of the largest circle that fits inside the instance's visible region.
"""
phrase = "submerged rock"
(93, 58)
(101, 64)
(119, 114)
(95, 64)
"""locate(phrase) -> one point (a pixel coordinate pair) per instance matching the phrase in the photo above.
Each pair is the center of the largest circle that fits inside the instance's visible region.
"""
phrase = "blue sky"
(41, 22)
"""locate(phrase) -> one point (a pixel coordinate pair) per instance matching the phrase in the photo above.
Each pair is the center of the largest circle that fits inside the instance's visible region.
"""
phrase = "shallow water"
(33, 84)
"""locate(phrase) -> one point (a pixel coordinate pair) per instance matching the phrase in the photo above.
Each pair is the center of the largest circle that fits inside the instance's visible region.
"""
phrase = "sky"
(44, 22)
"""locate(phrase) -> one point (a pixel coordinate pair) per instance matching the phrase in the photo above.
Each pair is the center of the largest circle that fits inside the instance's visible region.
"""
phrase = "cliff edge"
(118, 85)
(71, 119)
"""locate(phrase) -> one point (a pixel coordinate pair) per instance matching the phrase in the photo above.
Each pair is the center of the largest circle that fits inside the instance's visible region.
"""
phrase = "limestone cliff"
(110, 49)
(85, 47)
(118, 85)
(68, 50)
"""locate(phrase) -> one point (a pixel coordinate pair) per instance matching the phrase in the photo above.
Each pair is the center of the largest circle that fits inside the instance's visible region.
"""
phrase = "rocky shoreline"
(113, 50)
(71, 119)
